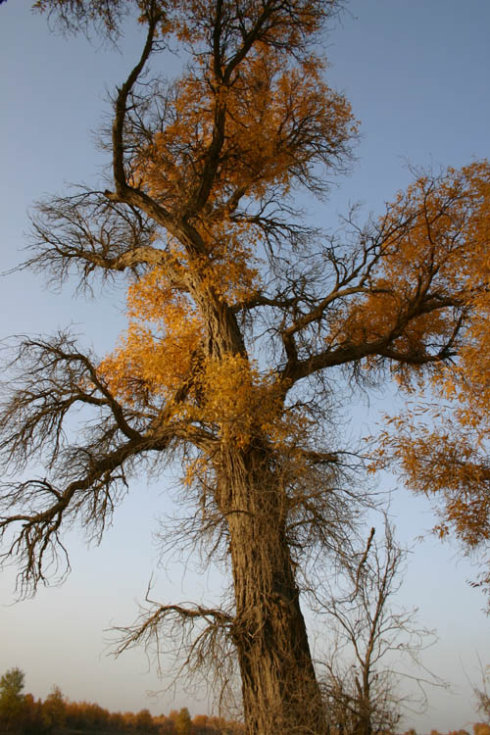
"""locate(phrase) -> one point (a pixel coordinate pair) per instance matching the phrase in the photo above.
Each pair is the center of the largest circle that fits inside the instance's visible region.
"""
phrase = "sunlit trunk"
(280, 691)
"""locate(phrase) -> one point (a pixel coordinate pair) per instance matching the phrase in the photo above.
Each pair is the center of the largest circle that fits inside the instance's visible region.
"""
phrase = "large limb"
(199, 639)
(384, 347)
(232, 37)
(347, 318)
(91, 234)
(33, 534)
(55, 380)
(124, 192)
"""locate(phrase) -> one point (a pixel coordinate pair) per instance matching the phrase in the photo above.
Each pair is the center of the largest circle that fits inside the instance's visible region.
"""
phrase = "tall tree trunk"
(280, 692)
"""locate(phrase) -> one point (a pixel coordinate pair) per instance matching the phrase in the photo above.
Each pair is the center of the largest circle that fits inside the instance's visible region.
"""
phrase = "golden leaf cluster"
(443, 443)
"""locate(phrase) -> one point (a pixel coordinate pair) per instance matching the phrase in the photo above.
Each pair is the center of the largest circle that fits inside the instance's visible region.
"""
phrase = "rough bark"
(280, 691)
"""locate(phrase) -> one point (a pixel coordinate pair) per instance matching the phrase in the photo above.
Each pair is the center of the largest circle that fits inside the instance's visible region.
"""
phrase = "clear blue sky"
(417, 74)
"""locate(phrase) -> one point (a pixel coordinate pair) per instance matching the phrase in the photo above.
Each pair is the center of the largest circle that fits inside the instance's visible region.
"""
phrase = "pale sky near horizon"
(417, 74)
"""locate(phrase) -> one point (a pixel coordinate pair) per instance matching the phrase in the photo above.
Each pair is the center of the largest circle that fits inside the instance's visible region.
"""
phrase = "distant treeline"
(22, 714)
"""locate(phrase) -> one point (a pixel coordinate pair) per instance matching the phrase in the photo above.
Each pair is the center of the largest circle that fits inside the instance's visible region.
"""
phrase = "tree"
(54, 709)
(243, 323)
(360, 682)
(12, 701)
(183, 722)
(143, 721)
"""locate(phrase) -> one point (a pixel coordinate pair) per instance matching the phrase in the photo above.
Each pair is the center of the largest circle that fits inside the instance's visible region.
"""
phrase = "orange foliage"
(264, 106)
(442, 440)
(250, 119)
(434, 240)
(155, 355)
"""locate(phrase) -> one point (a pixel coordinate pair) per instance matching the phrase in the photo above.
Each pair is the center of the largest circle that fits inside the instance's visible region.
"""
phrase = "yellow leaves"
(428, 294)
(370, 319)
(441, 530)
(230, 396)
(155, 355)
(226, 394)
(145, 365)
(278, 121)
(449, 252)
(238, 400)
(446, 234)
(284, 26)
(162, 351)
(446, 460)
(230, 266)
(273, 122)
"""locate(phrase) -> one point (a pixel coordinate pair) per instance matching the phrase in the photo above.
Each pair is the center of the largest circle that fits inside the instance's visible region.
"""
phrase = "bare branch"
(37, 542)
(91, 234)
(53, 378)
(361, 681)
(199, 640)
